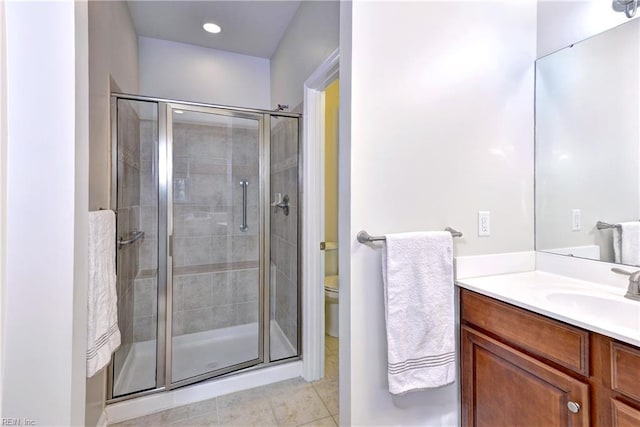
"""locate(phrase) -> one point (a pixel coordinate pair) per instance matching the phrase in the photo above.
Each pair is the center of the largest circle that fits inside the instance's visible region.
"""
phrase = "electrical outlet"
(484, 223)
(576, 220)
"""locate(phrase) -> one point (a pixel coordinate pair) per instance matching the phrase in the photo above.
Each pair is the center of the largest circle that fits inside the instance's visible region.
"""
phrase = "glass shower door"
(284, 237)
(135, 158)
(215, 224)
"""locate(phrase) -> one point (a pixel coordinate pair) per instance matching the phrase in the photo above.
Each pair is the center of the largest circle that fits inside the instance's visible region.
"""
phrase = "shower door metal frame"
(263, 250)
(162, 231)
(264, 167)
(165, 224)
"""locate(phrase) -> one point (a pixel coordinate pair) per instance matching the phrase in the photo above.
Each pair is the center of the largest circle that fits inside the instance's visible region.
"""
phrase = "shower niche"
(213, 286)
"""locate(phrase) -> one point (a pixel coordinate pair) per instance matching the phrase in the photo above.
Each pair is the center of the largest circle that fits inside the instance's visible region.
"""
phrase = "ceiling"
(248, 27)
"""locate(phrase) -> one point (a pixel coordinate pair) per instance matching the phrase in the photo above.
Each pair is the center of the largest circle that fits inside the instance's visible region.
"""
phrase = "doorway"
(331, 250)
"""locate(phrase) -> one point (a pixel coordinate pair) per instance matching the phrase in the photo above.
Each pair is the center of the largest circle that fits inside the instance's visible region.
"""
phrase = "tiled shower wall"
(284, 229)
(128, 222)
(215, 264)
(146, 285)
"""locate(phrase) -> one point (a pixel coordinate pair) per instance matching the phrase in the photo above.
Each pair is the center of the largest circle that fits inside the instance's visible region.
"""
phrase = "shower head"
(629, 7)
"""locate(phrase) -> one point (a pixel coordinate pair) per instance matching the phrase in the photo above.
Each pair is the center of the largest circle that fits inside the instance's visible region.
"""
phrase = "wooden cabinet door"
(503, 387)
(624, 415)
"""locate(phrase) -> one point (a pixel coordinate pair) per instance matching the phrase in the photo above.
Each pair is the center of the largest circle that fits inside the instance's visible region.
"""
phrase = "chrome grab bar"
(137, 235)
(244, 184)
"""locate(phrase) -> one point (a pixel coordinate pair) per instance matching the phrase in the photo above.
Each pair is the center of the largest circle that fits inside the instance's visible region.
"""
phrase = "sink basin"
(608, 309)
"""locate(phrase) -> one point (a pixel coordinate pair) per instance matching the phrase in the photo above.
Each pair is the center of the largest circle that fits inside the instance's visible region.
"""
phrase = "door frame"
(313, 216)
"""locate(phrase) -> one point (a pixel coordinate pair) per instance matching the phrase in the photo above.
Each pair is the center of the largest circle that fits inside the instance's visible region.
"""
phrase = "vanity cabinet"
(616, 378)
(624, 415)
(509, 388)
(515, 367)
(523, 369)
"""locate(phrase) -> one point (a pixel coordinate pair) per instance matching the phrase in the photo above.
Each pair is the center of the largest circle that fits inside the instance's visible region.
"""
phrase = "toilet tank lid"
(331, 282)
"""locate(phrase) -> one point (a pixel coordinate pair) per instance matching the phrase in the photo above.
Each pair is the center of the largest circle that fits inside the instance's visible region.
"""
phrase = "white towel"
(626, 243)
(418, 282)
(103, 335)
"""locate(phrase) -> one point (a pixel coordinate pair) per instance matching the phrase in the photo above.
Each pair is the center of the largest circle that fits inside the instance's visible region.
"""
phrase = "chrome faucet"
(633, 292)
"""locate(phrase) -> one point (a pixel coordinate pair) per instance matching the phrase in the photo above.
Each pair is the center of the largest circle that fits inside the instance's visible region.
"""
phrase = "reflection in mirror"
(588, 148)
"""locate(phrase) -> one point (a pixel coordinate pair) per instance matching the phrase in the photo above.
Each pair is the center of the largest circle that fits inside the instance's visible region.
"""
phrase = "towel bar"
(137, 235)
(364, 237)
(603, 225)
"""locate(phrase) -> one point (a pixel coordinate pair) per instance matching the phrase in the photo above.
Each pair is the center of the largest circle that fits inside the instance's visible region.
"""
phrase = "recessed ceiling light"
(178, 111)
(212, 28)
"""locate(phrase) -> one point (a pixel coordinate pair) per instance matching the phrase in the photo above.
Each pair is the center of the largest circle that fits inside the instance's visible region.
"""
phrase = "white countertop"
(591, 306)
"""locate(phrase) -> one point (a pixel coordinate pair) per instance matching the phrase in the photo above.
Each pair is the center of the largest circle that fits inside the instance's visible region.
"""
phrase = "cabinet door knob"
(573, 407)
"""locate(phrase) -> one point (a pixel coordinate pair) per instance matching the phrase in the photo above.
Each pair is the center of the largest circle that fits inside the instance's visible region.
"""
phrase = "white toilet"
(331, 305)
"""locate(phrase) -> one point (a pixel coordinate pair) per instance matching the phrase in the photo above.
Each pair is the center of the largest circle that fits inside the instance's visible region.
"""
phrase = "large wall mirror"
(588, 148)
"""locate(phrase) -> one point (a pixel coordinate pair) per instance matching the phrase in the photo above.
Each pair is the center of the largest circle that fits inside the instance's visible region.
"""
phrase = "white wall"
(81, 223)
(3, 187)
(113, 56)
(193, 73)
(587, 139)
(311, 36)
(561, 23)
(345, 242)
(441, 127)
(45, 341)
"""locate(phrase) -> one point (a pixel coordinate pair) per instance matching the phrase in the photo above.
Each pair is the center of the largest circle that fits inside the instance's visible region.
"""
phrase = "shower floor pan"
(198, 353)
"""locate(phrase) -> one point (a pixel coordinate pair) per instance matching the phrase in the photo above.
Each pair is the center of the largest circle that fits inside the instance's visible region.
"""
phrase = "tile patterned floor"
(288, 403)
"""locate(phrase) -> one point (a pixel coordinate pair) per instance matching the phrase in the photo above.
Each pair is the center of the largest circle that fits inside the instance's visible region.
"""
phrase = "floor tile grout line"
(218, 411)
(323, 403)
(273, 411)
(321, 399)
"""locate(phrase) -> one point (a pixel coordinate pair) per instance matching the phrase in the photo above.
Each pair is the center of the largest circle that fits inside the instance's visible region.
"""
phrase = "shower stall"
(208, 230)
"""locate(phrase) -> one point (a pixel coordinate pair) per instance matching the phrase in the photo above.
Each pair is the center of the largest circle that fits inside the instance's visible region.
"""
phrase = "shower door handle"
(244, 184)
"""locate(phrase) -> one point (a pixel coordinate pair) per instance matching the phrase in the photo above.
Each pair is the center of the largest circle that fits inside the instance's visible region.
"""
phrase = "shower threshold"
(198, 353)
